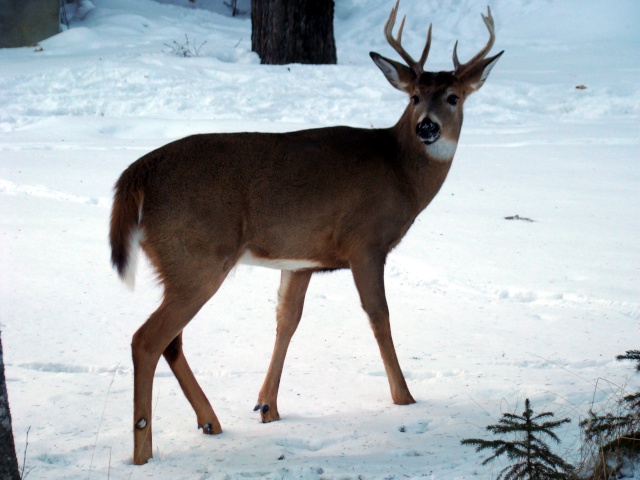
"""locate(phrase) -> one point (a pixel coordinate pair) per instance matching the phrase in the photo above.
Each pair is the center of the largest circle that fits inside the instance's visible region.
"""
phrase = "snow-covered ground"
(485, 311)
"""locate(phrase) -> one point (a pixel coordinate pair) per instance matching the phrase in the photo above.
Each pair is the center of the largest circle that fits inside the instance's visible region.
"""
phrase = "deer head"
(435, 111)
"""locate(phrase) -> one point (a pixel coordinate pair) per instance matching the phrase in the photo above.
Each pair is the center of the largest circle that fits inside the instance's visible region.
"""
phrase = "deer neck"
(424, 167)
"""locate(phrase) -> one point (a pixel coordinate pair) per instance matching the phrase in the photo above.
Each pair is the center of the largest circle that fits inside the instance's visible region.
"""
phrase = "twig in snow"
(518, 217)
(186, 49)
(233, 5)
(104, 408)
(24, 457)
(109, 471)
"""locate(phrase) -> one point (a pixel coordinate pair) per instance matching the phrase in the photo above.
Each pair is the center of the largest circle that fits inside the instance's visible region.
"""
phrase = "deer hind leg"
(293, 287)
(369, 279)
(155, 337)
(205, 415)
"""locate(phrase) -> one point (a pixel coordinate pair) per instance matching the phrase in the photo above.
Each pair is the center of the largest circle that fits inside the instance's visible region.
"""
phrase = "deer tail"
(126, 214)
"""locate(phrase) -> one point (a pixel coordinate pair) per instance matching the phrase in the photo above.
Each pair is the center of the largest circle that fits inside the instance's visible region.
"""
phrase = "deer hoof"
(405, 399)
(268, 413)
(210, 428)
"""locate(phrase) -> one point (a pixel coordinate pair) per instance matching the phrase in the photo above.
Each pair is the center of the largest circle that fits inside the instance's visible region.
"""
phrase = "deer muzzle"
(428, 131)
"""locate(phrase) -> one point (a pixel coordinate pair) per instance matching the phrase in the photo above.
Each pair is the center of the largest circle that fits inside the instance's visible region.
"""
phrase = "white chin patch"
(442, 149)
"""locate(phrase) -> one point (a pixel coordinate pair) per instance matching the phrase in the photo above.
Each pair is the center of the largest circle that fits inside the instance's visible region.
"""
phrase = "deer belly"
(248, 258)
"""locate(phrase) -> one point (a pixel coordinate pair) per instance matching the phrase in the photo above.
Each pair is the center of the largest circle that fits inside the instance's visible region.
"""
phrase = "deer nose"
(428, 131)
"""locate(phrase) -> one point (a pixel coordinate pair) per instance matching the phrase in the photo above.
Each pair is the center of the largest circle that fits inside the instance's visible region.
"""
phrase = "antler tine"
(427, 47)
(488, 21)
(456, 62)
(396, 42)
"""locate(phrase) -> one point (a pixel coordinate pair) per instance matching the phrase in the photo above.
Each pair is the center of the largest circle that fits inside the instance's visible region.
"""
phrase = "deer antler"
(461, 67)
(396, 43)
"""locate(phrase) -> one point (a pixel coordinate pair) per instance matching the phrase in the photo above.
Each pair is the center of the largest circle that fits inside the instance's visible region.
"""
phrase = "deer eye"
(415, 99)
(453, 100)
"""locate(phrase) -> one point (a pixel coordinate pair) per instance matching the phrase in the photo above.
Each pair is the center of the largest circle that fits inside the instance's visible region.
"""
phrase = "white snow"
(485, 311)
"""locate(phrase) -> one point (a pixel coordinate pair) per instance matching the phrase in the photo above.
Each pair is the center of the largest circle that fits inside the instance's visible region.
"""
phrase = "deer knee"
(378, 319)
(287, 316)
(377, 311)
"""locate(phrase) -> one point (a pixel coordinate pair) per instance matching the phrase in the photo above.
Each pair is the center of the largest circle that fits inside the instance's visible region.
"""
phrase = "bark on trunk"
(24, 23)
(8, 459)
(293, 31)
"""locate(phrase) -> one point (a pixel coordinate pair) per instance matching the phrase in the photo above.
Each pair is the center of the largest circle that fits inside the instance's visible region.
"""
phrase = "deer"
(302, 202)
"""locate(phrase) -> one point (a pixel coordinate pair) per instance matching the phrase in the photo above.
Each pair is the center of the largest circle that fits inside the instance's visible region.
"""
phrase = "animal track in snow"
(312, 445)
(417, 428)
(64, 368)
(10, 188)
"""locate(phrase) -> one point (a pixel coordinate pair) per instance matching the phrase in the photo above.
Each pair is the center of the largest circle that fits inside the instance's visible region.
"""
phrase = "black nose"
(428, 131)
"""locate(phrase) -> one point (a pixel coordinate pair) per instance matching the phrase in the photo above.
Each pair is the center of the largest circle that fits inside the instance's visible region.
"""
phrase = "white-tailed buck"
(302, 202)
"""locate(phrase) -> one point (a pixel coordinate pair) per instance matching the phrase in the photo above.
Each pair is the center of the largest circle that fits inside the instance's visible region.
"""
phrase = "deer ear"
(475, 76)
(400, 76)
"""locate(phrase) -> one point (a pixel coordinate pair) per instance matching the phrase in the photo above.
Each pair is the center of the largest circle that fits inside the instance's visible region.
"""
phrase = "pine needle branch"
(530, 455)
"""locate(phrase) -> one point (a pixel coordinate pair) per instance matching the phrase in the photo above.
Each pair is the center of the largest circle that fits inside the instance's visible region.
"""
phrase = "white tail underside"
(129, 277)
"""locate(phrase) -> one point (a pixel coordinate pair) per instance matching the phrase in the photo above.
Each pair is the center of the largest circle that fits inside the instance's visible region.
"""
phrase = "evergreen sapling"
(531, 454)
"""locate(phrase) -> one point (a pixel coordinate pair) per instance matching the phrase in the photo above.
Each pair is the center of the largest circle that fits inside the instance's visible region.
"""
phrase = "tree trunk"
(293, 31)
(24, 23)
(8, 460)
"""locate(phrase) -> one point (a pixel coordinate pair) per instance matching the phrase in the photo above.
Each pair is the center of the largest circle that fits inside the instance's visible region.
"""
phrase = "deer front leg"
(293, 287)
(368, 275)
